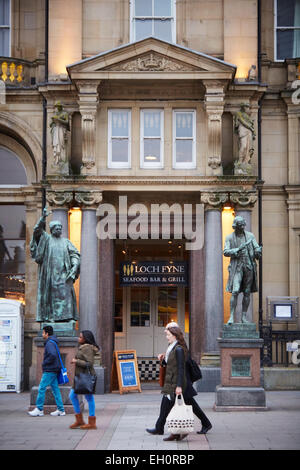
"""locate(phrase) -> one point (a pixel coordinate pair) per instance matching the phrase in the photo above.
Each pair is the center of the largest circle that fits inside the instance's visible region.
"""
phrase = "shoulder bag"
(85, 383)
(194, 370)
(62, 376)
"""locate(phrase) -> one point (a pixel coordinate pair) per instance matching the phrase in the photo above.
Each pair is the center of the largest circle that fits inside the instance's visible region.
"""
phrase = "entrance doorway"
(142, 312)
(149, 310)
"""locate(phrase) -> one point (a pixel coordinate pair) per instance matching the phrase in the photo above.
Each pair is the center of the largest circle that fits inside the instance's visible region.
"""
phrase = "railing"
(274, 351)
(18, 72)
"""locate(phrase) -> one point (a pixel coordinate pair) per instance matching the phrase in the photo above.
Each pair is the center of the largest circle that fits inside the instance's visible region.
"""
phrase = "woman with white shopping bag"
(175, 379)
(188, 393)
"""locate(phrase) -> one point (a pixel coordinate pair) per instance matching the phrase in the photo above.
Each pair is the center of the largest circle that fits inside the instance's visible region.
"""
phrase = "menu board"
(8, 368)
(124, 373)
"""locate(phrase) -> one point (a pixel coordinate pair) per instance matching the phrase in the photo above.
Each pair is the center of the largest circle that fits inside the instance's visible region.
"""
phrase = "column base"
(210, 359)
(240, 399)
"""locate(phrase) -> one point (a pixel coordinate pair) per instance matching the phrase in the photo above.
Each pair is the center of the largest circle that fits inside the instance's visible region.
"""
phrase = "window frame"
(8, 27)
(151, 165)
(193, 163)
(277, 28)
(110, 163)
(133, 17)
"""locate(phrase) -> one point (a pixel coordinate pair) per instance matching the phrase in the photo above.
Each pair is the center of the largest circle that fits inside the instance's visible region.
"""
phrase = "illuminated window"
(227, 220)
(153, 18)
(287, 29)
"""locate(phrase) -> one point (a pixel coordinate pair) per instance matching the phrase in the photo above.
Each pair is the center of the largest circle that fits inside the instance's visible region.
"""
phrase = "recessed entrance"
(142, 312)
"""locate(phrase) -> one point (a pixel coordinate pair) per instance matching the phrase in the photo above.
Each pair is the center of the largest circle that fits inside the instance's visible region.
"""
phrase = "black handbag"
(194, 370)
(85, 383)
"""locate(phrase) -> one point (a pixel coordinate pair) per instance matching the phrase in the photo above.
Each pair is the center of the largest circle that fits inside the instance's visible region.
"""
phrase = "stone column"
(214, 105)
(59, 201)
(243, 202)
(89, 262)
(106, 305)
(88, 104)
(197, 303)
(214, 314)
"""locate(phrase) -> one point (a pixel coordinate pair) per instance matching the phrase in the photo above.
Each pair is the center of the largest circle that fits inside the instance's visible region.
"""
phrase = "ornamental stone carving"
(152, 63)
(243, 199)
(214, 200)
(88, 198)
(59, 197)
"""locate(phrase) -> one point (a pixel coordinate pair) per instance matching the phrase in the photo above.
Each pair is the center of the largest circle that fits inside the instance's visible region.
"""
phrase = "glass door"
(139, 321)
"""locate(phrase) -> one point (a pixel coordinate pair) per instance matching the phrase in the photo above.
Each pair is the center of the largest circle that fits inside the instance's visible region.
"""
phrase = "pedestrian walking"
(51, 367)
(84, 361)
(177, 381)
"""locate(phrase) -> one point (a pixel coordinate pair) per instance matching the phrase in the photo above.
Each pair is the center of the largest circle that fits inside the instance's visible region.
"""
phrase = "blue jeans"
(89, 398)
(49, 379)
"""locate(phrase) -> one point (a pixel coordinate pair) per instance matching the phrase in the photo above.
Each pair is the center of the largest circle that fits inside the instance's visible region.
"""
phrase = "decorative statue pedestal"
(240, 388)
(68, 347)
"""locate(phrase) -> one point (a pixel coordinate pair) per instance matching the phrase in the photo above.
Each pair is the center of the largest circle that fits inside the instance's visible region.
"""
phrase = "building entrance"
(142, 312)
(149, 310)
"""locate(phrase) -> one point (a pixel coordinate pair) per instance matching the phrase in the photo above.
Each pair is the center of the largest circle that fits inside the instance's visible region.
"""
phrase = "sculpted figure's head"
(239, 223)
(55, 228)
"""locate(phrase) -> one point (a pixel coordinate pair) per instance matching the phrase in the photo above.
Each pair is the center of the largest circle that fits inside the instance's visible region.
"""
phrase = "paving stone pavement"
(122, 422)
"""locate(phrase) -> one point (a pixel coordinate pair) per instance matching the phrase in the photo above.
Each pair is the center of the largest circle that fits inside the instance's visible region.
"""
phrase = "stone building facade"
(152, 91)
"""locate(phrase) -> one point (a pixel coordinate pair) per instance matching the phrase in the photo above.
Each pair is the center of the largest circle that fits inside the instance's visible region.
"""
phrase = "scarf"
(170, 347)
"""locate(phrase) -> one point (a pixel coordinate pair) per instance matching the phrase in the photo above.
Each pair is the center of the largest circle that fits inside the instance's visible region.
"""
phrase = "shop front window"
(287, 29)
(12, 251)
(140, 307)
(167, 306)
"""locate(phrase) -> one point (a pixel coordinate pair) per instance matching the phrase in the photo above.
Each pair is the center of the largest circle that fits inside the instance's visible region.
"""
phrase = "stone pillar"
(59, 201)
(88, 104)
(89, 262)
(214, 105)
(243, 202)
(197, 303)
(106, 305)
(214, 315)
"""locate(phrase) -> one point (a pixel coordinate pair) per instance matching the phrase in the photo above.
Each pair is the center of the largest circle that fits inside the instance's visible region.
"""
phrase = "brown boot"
(91, 424)
(79, 421)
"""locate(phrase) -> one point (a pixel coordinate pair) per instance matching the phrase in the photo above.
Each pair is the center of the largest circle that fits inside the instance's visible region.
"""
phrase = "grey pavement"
(122, 419)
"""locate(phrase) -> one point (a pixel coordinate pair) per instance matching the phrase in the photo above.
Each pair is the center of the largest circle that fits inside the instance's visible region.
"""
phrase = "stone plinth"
(240, 387)
(68, 346)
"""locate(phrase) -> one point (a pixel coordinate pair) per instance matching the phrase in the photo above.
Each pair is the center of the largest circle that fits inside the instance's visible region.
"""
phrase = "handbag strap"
(57, 351)
(181, 399)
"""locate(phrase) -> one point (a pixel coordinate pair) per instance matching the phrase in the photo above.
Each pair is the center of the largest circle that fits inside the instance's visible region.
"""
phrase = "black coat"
(189, 392)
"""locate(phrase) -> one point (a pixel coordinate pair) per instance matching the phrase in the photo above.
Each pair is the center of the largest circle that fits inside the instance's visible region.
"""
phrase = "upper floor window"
(184, 139)
(287, 29)
(119, 138)
(5, 28)
(153, 18)
(12, 169)
(152, 138)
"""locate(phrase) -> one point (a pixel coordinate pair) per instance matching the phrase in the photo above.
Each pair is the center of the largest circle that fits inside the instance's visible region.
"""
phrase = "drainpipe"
(260, 278)
(44, 161)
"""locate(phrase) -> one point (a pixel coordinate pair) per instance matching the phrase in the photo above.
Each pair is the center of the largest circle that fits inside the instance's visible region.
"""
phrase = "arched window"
(12, 170)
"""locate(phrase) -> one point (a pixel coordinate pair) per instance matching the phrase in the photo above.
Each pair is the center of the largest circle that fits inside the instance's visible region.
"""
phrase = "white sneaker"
(58, 413)
(36, 412)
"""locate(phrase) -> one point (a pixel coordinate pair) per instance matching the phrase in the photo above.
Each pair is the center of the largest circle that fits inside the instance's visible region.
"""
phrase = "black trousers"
(167, 405)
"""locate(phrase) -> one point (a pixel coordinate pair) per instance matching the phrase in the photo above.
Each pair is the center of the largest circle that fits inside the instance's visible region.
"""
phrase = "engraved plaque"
(240, 366)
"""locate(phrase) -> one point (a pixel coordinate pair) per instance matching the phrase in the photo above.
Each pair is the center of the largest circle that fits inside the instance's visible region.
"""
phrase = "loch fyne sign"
(154, 273)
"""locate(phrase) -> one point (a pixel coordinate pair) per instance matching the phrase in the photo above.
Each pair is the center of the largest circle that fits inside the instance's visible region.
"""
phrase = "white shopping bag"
(180, 420)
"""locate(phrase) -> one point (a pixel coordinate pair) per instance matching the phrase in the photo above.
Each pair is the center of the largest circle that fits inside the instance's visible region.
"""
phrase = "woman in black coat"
(184, 386)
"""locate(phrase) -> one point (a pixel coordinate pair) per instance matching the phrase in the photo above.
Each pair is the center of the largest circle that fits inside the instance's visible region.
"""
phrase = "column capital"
(213, 200)
(243, 200)
(88, 199)
(60, 198)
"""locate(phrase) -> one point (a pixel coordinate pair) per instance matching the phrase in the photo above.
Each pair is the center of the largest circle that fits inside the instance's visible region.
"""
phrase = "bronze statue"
(59, 263)
(243, 250)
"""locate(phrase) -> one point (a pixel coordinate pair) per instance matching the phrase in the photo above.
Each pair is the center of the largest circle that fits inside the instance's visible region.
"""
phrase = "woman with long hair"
(177, 382)
(83, 361)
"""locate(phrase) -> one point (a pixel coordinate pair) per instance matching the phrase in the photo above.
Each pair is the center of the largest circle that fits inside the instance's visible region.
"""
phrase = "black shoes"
(154, 431)
(205, 429)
